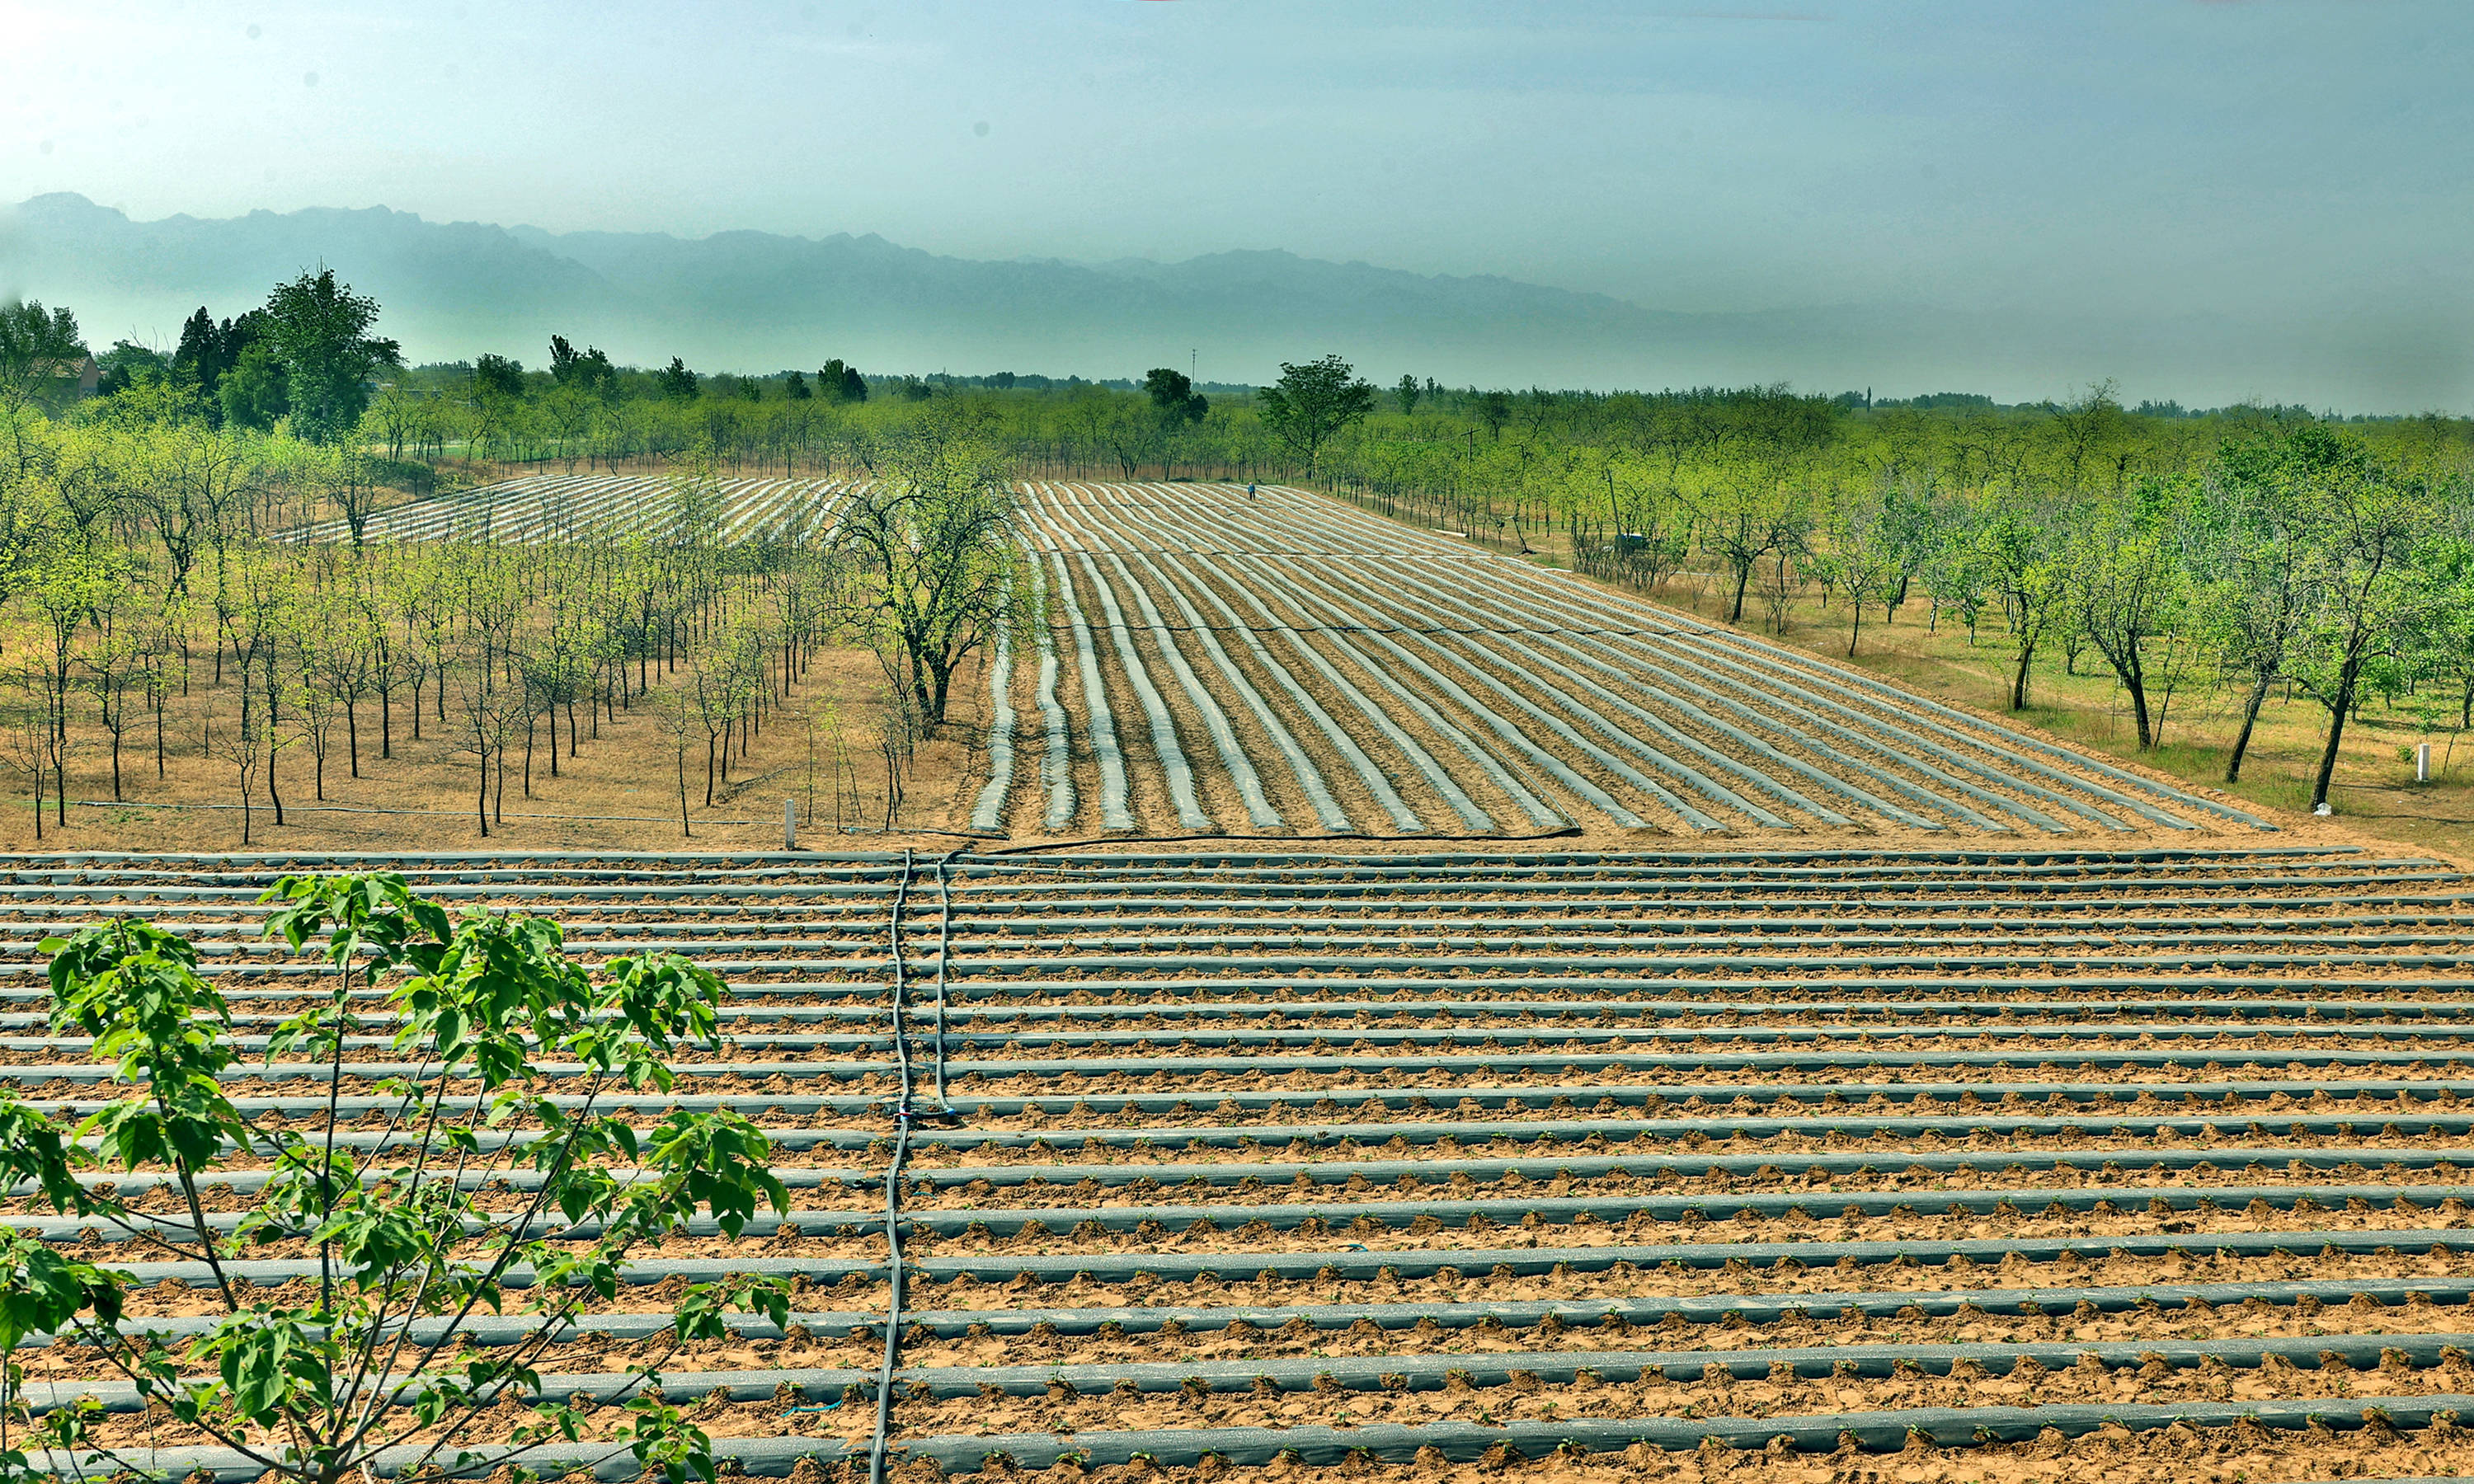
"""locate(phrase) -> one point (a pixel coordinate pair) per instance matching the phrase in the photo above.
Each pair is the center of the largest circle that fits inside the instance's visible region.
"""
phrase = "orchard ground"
(2374, 794)
(626, 796)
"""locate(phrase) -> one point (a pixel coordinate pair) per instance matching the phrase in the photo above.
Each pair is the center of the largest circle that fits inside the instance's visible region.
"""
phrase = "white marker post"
(2422, 763)
(789, 825)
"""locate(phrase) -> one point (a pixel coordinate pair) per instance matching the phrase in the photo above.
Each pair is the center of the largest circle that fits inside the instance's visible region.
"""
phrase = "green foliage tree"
(488, 1010)
(1174, 397)
(2024, 567)
(127, 364)
(207, 352)
(256, 393)
(587, 370)
(2359, 529)
(1494, 409)
(1313, 403)
(1407, 391)
(1862, 560)
(678, 383)
(498, 376)
(2252, 592)
(200, 353)
(321, 329)
(1749, 517)
(38, 348)
(840, 383)
(2128, 591)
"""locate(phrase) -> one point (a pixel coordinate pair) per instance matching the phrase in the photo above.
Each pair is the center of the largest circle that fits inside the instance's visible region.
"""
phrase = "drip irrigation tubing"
(344, 808)
(902, 1116)
(1564, 832)
(1435, 1373)
(1332, 1446)
(1460, 1264)
(905, 1114)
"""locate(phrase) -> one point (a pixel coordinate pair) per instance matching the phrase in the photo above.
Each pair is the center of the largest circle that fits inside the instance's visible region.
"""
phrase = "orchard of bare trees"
(182, 590)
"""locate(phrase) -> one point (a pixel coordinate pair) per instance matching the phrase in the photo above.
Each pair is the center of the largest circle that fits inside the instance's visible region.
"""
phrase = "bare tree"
(929, 544)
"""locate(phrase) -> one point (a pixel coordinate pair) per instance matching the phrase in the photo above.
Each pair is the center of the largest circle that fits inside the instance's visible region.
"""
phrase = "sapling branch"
(407, 1254)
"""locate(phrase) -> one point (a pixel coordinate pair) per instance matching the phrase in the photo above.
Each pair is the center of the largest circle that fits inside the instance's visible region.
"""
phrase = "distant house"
(84, 371)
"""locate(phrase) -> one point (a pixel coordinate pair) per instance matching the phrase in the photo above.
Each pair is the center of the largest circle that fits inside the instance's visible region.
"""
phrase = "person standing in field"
(1249, 492)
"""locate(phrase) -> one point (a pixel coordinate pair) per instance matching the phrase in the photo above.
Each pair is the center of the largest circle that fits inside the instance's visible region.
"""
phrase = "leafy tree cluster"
(491, 1196)
(37, 348)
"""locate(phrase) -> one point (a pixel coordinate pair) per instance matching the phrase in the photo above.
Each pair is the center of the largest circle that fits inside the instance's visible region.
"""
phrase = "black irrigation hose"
(1482, 1212)
(1464, 1265)
(2208, 1159)
(1324, 1217)
(340, 808)
(1548, 1317)
(993, 1070)
(1617, 1315)
(1434, 1373)
(902, 1116)
(1696, 997)
(1407, 1264)
(1544, 1134)
(617, 865)
(2207, 1107)
(1614, 1210)
(1875, 1432)
(944, 948)
(1564, 834)
(2067, 1020)
(1316, 1034)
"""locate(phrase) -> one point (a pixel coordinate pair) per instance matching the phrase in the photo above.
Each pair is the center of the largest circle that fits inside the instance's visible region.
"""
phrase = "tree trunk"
(2250, 718)
(2134, 680)
(1743, 579)
(2019, 678)
(2337, 712)
(352, 734)
(273, 741)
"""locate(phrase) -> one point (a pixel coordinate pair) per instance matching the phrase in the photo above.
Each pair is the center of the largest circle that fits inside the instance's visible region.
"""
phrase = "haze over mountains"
(758, 301)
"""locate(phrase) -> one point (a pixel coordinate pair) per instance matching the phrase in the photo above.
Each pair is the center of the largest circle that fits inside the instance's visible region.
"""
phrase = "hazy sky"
(2287, 160)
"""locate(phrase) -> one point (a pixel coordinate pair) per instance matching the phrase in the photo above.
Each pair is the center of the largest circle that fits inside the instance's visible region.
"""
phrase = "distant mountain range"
(756, 302)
